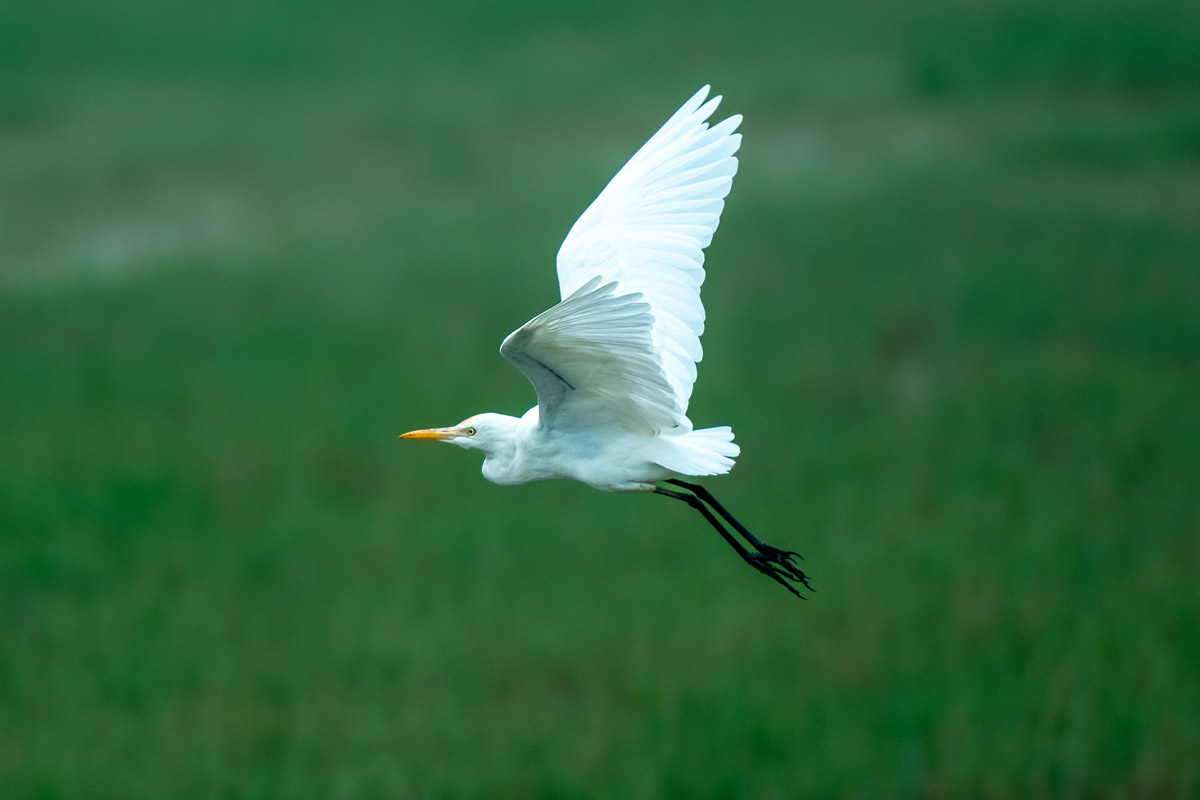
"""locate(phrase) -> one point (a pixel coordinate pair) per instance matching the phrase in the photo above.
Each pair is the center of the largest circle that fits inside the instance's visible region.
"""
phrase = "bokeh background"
(952, 318)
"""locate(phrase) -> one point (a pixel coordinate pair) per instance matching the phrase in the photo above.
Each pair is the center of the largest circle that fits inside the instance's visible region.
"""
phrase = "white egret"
(613, 364)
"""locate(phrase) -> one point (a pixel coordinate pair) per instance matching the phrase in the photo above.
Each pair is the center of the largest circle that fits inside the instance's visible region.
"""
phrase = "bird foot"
(781, 566)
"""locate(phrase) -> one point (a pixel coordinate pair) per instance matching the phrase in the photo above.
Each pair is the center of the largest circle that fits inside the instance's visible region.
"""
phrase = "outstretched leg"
(771, 561)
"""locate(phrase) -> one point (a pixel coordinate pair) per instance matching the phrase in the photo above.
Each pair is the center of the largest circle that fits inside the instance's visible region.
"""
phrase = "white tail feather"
(708, 451)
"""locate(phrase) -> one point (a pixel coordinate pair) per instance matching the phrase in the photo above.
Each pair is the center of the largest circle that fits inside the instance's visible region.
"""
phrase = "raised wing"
(648, 228)
(591, 361)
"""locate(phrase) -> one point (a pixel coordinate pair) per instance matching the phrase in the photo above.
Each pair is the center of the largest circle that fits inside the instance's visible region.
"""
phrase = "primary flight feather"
(614, 363)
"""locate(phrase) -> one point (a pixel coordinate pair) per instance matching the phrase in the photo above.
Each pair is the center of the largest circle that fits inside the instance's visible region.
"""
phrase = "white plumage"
(616, 359)
(614, 363)
(648, 229)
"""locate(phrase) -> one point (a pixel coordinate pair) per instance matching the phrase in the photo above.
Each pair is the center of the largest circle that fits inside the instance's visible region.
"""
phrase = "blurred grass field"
(952, 318)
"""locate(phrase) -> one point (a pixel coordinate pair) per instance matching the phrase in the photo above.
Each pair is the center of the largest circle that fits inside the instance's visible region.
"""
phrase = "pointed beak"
(433, 433)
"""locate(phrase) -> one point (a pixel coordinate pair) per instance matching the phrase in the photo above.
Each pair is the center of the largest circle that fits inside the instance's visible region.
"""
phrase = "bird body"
(521, 450)
(614, 362)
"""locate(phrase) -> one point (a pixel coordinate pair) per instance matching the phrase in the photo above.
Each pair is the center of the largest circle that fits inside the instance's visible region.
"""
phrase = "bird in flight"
(614, 362)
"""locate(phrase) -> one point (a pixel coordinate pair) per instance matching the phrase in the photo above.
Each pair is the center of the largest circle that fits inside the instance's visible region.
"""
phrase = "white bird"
(613, 364)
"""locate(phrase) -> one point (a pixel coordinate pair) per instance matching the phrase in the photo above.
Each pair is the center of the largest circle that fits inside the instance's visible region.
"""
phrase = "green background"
(952, 319)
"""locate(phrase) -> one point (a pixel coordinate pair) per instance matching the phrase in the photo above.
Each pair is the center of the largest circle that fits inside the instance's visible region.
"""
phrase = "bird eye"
(470, 431)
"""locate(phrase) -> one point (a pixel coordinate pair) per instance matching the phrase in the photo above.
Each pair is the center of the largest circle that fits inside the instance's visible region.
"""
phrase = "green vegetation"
(953, 318)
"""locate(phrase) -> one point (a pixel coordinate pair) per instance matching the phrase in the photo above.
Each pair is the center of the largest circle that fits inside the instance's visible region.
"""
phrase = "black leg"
(706, 496)
(695, 503)
(777, 564)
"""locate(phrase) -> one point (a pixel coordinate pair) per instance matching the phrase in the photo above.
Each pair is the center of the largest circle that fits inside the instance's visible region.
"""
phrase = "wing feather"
(647, 231)
(591, 361)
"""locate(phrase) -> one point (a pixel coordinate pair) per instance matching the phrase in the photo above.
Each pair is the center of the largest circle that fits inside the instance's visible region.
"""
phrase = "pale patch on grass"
(170, 225)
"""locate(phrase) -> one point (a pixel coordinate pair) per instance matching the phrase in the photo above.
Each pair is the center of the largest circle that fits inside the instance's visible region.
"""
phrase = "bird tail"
(708, 451)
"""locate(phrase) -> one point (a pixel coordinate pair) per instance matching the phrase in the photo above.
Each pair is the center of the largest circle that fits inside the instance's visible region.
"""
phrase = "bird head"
(486, 432)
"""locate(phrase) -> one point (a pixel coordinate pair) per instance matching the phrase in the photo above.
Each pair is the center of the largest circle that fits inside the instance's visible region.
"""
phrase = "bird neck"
(501, 453)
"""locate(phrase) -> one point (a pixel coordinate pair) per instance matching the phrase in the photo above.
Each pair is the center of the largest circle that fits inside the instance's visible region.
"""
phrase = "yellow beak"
(433, 433)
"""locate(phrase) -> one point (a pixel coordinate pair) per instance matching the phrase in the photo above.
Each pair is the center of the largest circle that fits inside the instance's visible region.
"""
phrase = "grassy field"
(953, 318)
